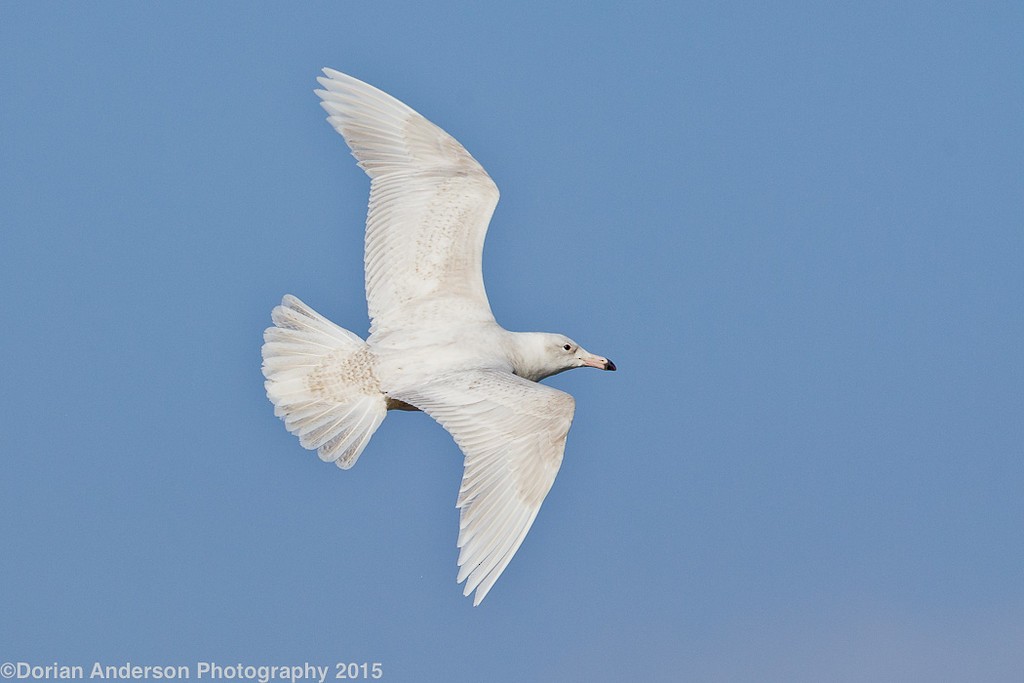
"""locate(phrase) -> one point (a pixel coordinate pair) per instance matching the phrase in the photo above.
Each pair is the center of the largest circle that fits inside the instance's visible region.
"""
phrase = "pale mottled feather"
(512, 432)
(430, 204)
(321, 382)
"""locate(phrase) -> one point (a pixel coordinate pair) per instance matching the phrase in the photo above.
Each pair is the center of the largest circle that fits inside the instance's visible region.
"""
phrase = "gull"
(434, 344)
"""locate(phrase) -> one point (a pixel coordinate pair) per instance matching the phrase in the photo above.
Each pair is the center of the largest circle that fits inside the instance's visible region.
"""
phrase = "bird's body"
(434, 344)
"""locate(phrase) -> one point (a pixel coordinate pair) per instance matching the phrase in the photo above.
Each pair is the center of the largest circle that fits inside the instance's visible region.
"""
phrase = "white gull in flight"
(434, 344)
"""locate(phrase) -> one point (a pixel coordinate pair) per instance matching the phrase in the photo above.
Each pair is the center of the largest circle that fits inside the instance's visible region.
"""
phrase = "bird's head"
(541, 354)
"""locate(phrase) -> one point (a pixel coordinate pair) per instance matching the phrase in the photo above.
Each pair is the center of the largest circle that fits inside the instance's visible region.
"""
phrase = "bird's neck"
(527, 353)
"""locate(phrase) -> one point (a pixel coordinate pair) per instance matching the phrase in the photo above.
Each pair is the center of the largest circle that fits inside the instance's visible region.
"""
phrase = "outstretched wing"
(430, 204)
(512, 432)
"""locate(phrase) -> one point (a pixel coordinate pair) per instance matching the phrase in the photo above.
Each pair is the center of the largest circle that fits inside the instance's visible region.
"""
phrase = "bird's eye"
(567, 347)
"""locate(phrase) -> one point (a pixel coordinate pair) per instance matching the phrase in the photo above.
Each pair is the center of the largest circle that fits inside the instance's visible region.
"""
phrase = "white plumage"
(434, 344)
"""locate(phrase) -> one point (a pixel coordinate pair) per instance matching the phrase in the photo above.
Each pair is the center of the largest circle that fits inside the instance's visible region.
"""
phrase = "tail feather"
(321, 381)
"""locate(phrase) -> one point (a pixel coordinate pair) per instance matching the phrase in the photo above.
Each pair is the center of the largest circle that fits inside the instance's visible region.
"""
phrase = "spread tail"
(321, 381)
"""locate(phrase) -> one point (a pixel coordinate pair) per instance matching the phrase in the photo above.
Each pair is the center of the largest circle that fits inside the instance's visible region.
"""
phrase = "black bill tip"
(608, 365)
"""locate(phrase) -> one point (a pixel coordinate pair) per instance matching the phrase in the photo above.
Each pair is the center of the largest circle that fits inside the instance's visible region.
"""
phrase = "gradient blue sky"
(798, 231)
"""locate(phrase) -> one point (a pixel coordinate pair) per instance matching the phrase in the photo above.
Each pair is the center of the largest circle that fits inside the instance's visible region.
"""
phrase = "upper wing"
(512, 432)
(430, 203)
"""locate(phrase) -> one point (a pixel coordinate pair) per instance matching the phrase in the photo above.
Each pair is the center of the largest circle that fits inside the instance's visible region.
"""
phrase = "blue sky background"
(798, 231)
